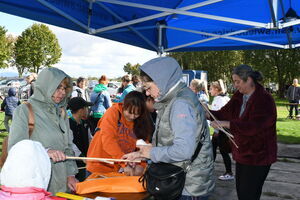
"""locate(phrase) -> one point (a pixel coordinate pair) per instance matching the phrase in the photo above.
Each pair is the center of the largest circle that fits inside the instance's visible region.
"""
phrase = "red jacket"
(255, 131)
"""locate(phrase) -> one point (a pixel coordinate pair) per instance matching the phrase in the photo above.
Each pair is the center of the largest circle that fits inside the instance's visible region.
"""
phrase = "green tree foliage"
(132, 69)
(218, 64)
(277, 65)
(6, 48)
(37, 47)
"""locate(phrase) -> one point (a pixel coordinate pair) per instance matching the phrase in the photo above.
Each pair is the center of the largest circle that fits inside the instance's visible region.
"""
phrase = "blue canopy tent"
(173, 25)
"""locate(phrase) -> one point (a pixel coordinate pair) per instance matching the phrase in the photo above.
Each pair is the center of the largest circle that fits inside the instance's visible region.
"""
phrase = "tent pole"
(288, 32)
(159, 44)
(90, 14)
(273, 9)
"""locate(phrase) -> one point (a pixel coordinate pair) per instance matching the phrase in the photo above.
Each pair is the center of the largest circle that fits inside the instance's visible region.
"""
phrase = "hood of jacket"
(12, 92)
(164, 71)
(27, 165)
(100, 88)
(47, 82)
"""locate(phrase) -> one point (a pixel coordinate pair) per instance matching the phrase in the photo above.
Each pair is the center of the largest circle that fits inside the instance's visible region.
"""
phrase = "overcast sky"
(83, 54)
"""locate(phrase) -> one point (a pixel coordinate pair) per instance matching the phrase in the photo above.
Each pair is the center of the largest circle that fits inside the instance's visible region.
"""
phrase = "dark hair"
(245, 71)
(145, 77)
(79, 80)
(142, 125)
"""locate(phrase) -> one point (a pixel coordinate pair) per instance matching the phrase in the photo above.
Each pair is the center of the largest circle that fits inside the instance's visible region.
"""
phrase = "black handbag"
(165, 181)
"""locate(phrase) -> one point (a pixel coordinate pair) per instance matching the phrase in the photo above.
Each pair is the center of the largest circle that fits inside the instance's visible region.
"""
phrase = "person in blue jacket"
(100, 97)
(8, 105)
(128, 87)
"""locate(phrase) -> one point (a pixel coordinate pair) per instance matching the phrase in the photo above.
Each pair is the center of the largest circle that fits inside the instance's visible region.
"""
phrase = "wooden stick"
(229, 135)
(86, 158)
(107, 160)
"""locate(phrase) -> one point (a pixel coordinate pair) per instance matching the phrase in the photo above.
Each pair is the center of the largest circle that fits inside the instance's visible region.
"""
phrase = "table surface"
(120, 196)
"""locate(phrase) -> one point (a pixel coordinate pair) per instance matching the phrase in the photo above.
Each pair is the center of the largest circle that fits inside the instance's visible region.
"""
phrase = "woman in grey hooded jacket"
(51, 128)
(180, 125)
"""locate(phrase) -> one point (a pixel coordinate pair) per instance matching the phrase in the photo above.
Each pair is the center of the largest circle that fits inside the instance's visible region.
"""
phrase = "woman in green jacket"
(51, 128)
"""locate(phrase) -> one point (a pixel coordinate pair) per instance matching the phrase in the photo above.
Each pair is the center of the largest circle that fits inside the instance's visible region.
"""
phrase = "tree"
(277, 65)
(6, 48)
(37, 47)
(132, 69)
(218, 64)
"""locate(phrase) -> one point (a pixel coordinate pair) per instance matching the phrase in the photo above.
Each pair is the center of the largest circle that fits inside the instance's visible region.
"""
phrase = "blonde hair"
(219, 85)
(197, 84)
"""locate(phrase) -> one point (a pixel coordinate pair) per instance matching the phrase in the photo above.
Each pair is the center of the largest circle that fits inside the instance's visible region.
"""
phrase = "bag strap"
(97, 98)
(30, 118)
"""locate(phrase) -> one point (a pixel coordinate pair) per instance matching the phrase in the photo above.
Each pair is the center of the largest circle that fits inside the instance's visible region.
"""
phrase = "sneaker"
(226, 177)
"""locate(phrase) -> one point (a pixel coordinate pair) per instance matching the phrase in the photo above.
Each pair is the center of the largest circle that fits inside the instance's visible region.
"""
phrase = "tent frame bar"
(72, 19)
(129, 27)
(175, 11)
(143, 19)
(225, 36)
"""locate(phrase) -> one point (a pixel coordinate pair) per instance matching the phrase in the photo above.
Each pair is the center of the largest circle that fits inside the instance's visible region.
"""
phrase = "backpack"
(5, 140)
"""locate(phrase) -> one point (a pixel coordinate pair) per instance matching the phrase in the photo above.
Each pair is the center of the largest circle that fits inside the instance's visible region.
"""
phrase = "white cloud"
(87, 55)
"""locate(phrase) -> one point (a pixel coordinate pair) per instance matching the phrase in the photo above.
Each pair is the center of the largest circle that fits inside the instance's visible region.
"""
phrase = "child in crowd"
(200, 88)
(8, 105)
(219, 139)
(81, 131)
(26, 173)
(119, 129)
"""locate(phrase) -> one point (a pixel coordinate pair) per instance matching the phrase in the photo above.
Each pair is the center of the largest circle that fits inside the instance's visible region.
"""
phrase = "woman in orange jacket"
(119, 128)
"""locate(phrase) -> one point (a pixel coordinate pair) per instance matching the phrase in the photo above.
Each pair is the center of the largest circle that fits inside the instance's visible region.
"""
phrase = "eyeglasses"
(147, 89)
(60, 87)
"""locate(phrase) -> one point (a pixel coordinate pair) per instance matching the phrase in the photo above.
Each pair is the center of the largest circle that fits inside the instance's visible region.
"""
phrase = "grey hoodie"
(51, 126)
(164, 71)
(180, 123)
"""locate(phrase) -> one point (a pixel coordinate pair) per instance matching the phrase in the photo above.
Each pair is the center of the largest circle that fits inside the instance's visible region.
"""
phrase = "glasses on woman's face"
(61, 88)
(147, 88)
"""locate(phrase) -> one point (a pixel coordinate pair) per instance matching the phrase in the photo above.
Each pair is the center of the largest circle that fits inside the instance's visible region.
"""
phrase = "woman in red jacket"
(251, 117)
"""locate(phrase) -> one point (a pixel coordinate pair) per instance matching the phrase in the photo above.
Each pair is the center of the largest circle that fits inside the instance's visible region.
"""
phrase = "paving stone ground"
(282, 183)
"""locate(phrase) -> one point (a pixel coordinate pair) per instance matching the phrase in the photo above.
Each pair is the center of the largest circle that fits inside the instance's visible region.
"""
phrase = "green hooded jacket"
(51, 126)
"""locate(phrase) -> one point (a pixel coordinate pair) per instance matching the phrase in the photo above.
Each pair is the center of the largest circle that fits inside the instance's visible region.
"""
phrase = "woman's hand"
(71, 181)
(216, 124)
(137, 170)
(132, 156)
(145, 150)
(56, 155)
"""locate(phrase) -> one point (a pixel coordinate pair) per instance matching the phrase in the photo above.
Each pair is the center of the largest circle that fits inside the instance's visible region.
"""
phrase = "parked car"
(112, 88)
(11, 83)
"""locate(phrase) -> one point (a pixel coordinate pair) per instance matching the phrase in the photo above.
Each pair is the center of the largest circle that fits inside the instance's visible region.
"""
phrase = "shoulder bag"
(166, 181)
(5, 140)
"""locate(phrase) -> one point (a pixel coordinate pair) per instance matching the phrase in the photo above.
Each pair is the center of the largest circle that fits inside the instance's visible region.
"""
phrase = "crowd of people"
(157, 107)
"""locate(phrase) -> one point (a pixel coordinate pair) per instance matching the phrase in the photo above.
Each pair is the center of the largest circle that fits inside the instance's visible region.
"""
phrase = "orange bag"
(112, 182)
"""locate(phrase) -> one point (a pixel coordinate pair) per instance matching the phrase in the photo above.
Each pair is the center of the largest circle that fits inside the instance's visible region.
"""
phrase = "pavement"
(282, 183)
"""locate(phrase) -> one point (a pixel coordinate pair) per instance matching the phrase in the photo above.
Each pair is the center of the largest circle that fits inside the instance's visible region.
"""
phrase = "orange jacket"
(114, 139)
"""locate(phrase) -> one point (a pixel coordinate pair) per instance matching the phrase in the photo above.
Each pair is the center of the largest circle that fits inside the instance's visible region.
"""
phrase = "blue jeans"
(184, 197)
